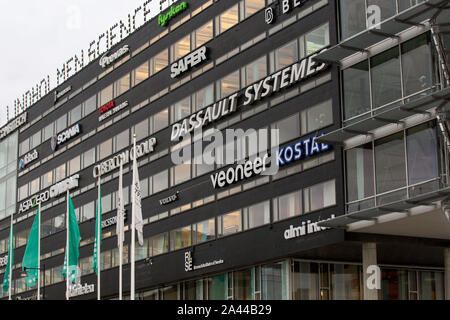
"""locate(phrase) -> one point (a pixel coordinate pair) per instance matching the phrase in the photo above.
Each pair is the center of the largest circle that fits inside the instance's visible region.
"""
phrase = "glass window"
(394, 285)
(217, 287)
(405, 4)
(352, 17)
(252, 6)
(359, 167)
(320, 196)
(386, 80)
(422, 149)
(204, 97)
(345, 282)
(122, 140)
(205, 231)
(255, 70)
(288, 129)
(317, 39)
(227, 20)
(160, 181)
(180, 238)
(180, 173)
(287, 206)
(417, 64)
(89, 158)
(105, 149)
(317, 117)
(23, 193)
(431, 285)
(285, 56)
(230, 223)
(257, 215)
(160, 61)
(89, 210)
(305, 281)
(228, 85)
(106, 95)
(60, 172)
(74, 165)
(61, 123)
(159, 121)
(242, 284)
(160, 244)
(356, 90)
(181, 48)
(106, 203)
(47, 180)
(203, 34)
(122, 85)
(141, 130)
(273, 281)
(75, 115)
(48, 132)
(36, 140)
(90, 105)
(140, 73)
(141, 252)
(181, 110)
(390, 163)
(387, 9)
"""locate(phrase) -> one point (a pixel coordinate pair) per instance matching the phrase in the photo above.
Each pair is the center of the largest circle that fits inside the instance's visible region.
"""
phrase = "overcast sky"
(39, 36)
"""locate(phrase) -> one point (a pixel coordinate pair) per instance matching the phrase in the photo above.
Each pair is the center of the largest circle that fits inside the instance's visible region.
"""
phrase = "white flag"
(136, 201)
(120, 210)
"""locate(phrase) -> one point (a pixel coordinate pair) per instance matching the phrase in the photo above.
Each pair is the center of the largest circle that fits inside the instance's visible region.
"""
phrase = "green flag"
(73, 245)
(31, 256)
(98, 233)
(10, 261)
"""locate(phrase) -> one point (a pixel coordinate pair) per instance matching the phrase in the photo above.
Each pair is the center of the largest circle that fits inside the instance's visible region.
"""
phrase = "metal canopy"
(343, 221)
(389, 28)
(393, 115)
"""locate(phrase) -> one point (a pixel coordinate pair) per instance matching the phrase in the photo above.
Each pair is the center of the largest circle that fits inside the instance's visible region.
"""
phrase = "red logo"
(107, 107)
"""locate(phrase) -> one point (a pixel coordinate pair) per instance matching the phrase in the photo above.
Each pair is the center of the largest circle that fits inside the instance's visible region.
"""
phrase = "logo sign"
(106, 60)
(163, 19)
(306, 227)
(188, 262)
(13, 125)
(60, 94)
(110, 165)
(302, 149)
(53, 192)
(30, 157)
(170, 199)
(241, 172)
(112, 221)
(76, 290)
(110, 108)
(189, 61)
(65, 136)
(269, 17)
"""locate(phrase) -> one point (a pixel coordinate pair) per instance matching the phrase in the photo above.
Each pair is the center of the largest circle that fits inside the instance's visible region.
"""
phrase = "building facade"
(353, 92)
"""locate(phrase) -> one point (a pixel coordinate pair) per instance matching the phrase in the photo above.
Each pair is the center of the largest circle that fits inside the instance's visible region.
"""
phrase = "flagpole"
(39, 254)
(10, 260)
(99, 232)
(67, 246)
(133, 236)
(120, 233)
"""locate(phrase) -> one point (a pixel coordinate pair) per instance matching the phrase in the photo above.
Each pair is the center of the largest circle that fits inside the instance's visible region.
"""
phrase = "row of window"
(389, 77)
(359, 15)
(407, 162)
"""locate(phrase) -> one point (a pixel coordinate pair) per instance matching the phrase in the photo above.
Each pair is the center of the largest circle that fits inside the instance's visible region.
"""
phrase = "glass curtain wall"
(399, 166)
